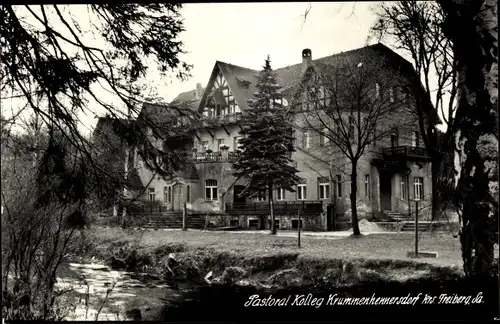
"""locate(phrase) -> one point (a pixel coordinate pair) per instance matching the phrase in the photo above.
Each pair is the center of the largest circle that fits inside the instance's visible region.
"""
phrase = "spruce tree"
(266, 143)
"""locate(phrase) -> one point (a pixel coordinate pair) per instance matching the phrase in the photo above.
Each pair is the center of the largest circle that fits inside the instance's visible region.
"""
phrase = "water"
(127, 291)
(158, 301)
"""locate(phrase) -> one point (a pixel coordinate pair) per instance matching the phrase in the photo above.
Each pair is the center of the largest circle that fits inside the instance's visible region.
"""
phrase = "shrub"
(232, 275)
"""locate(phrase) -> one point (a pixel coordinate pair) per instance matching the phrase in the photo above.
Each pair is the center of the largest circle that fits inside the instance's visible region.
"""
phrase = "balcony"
(408, 153)
(307, 207)
(216, 121)
(204, 157)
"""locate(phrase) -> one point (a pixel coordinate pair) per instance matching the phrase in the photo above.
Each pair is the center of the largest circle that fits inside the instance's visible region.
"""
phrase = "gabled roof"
(242, 80)
(188, 99)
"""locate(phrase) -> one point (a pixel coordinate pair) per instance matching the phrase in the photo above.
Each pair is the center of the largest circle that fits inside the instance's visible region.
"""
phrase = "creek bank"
(219, 282)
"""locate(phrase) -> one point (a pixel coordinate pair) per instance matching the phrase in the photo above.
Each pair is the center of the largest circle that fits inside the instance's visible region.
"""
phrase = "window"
(262, 196)
(418, 188)
(295, 223)
(204, 145)
(324, 138)
(167, 191)
(211, 189)
(394, 137)
(280, 194)
(220, 142)
(151, 194)
(323, 188)
(403, 188)
(276, 223)
(188, 193)
(339, 185)
(391, 94)
(367, 185)
(415, 140)
(234, 222)
(236, 143)
(253, 223)
(307, 139)
(377, 90)
(302, 190)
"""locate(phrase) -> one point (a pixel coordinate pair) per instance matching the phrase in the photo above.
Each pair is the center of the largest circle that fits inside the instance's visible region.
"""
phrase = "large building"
(392, 172)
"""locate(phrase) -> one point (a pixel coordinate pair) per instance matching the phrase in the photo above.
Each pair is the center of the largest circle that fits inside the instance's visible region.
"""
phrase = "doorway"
(385, 191)
(239, 201)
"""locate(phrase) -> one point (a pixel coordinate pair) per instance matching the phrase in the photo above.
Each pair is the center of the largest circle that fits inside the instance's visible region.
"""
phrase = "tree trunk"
(124, 211)
(354, 189)
(271, 209)
(471, 25)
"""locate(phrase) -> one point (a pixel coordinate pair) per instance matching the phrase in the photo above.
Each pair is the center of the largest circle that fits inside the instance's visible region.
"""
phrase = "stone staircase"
(174, 220)
(410, 227)
(397, 216)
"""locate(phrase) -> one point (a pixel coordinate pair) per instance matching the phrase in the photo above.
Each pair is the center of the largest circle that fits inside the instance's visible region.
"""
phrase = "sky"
(245, 33)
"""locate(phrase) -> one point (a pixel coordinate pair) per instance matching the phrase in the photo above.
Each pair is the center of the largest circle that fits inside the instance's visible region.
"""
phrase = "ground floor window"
(404, 186)
(234, 222)
(151, 194)
(253, 223)
(367, 185)
(167, 194)
(211, 189)
(418, 188)
(323, 188)
(280, 194)
(295, 223)
(276, 223)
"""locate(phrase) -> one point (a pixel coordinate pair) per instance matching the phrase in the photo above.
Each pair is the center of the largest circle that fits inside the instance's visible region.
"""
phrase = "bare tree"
(350, 105)
(39, 219)
(415, 28)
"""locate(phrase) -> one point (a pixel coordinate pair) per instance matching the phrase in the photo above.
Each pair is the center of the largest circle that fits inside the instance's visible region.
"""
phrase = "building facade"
(393, 171)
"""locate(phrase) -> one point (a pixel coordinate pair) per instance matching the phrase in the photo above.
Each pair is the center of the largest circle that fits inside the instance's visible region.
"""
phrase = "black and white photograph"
(250, 161)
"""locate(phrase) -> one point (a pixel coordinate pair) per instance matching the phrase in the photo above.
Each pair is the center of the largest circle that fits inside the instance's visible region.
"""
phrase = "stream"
(128, 292)
(132, 293)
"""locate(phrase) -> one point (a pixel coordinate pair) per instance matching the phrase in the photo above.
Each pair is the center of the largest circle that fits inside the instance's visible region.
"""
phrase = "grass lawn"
(380, 246)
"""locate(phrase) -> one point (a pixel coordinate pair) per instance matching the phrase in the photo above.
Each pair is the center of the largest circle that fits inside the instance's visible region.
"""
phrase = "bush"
(232, 275)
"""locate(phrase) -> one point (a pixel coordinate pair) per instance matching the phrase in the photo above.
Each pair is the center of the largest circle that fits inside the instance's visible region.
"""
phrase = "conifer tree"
(266, 143)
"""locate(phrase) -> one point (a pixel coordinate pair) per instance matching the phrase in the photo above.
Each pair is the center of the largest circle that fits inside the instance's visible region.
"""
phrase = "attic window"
(243, 83)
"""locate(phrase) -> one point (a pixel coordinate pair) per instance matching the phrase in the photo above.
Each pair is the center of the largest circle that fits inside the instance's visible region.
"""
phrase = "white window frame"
(326, 139)
(415, 140)
(152, 194)
(262, 196)
(307, 139)
(220, 142)
(418, 188)
(403, 188)
(323, 192)
(367, 185)
(212, 185)
(280, 194)
(167, 194)
(302, 191)
(205, 145)
(236, 143)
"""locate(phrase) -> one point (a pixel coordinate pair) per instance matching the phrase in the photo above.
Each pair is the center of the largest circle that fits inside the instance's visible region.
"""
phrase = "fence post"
(299, 228)
(416, 228)
(184, 212)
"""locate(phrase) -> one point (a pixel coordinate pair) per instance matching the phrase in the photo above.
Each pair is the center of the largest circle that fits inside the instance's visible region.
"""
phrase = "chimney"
(199, 91)
(306, 59)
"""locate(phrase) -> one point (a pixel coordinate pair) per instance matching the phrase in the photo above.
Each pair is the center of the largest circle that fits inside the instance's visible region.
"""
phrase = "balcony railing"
(222, 119)
(204, 157)
(307, 207)
(407, 152)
